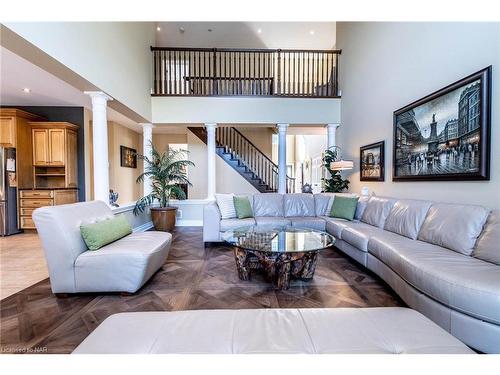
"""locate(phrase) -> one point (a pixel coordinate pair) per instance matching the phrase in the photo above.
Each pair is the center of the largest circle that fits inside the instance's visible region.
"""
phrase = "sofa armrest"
(211, 222)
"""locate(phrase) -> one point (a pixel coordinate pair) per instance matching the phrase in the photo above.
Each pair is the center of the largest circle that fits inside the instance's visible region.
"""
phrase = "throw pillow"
(97, 235)
(344, 207)
(226, 205)
(243, 207)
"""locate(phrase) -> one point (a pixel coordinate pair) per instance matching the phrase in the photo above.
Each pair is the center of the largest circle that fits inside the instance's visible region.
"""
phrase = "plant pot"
(163, 218)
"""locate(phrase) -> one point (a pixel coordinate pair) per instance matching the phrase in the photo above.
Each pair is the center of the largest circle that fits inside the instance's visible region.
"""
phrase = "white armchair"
(122, 266)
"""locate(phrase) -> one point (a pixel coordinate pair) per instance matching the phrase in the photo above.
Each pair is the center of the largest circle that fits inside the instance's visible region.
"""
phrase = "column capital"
(282, 127)
(210, 125)
(98, 95)
(332, 126)
(146, 126)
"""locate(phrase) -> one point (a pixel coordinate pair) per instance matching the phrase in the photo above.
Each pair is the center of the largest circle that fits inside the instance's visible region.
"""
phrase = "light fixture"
(341, 165)
(311, 32)
(181, 30)
(259, 31)
(26, 90)
(158, 28)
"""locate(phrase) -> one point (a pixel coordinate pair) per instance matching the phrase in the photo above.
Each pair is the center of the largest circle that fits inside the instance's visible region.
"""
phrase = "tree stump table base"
(280, 268)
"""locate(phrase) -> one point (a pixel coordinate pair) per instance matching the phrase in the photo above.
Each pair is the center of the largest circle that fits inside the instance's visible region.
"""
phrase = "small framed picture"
(128, 157)
(371, 161)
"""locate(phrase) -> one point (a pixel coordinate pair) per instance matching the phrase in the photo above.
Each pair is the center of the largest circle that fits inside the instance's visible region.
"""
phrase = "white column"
(147, 138)
(282, 158)
(100, 144)
(211, 181)
(331, 131)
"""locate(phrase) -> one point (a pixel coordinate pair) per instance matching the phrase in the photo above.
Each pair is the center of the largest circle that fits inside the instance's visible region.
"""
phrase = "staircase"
(246, 159)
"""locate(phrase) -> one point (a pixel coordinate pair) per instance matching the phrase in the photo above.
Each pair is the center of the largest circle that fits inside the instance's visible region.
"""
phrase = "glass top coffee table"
(283, 252)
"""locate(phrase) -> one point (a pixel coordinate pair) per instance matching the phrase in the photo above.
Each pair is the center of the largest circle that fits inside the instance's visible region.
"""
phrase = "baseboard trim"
(144, 227)
(188, 223)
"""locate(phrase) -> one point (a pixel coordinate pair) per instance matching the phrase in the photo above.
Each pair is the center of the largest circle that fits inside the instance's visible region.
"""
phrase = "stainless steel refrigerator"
(8, 192)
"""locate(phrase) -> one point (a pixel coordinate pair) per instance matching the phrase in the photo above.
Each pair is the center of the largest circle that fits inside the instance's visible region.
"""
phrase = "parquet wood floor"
(193, 277)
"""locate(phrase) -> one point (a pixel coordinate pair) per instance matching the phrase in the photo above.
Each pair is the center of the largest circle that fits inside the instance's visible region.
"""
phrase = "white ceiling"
(46, 90)
(246, 34)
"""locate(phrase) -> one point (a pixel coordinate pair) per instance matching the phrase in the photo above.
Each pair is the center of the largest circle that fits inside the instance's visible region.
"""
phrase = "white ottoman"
(340, 330)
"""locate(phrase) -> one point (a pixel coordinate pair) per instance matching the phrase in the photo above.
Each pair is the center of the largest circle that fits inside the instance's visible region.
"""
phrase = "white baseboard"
(144, 227)
(188, 223)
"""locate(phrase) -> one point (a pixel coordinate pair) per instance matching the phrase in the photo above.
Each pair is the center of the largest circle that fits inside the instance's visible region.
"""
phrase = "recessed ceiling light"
(158, 28)
(26, 90)
(311, 32)
(259, 31)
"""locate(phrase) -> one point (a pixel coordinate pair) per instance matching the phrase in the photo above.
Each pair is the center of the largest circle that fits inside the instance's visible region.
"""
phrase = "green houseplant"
(166, 171)
(334, 184)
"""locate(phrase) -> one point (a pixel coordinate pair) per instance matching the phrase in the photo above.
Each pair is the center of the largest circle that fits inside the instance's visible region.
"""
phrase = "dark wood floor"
(194, 277)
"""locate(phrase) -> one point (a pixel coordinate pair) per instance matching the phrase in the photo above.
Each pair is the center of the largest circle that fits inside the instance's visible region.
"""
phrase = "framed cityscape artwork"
(446, 135)
(371, 161)
(128, 157)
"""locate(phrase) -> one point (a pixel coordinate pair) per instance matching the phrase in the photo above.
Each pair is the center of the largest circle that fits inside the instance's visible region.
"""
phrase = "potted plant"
(166, 171)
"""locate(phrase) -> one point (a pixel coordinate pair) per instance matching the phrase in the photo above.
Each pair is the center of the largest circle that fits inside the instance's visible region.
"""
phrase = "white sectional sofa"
(442, 259)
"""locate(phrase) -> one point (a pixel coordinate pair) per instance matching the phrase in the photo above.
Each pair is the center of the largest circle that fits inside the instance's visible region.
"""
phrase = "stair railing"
(255, 160)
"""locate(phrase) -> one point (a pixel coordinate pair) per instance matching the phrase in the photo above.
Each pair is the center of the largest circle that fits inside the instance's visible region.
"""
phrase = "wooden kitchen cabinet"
(7, 131)
(41, 147)
(15, 131)
(30, 200)
(55, 150)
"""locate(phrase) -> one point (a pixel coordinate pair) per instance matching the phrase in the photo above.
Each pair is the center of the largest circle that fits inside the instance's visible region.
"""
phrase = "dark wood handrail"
(270, 50)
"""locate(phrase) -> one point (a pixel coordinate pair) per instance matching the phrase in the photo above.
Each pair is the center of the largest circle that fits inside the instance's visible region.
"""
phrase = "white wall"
(385, 66)
(114, 56)
(235, 110)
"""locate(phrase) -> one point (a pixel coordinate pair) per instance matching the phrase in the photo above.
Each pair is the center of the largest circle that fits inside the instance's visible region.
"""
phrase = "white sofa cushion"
(226, 205)
(388, 330)
(323, 203)
(300, 204)
(124, 265)
(228, 224)
(316, 223)
(488, 243)
(406, 217)
(273, 221)
(335, 225)
(461, 282)
(361, 206)
(358, 234)
(376, 211)
(268, 204)
(454, 226)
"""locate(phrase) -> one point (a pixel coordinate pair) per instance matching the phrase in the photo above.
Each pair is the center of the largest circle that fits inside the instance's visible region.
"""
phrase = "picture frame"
(128, 157)
(372, 162)
(445, 136)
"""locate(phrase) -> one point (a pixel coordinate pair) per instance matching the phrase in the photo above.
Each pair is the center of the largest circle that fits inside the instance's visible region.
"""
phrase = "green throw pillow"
(344, 207)
(96, 235)
(242, 207)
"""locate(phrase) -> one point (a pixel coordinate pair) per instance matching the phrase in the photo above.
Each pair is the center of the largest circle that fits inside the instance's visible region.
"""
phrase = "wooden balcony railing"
(245, 72)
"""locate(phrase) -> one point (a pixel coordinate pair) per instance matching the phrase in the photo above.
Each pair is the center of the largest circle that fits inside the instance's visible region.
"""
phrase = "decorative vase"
(163, 218)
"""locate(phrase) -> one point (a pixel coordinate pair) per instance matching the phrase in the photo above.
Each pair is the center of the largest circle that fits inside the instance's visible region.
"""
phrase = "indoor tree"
(166, 171)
